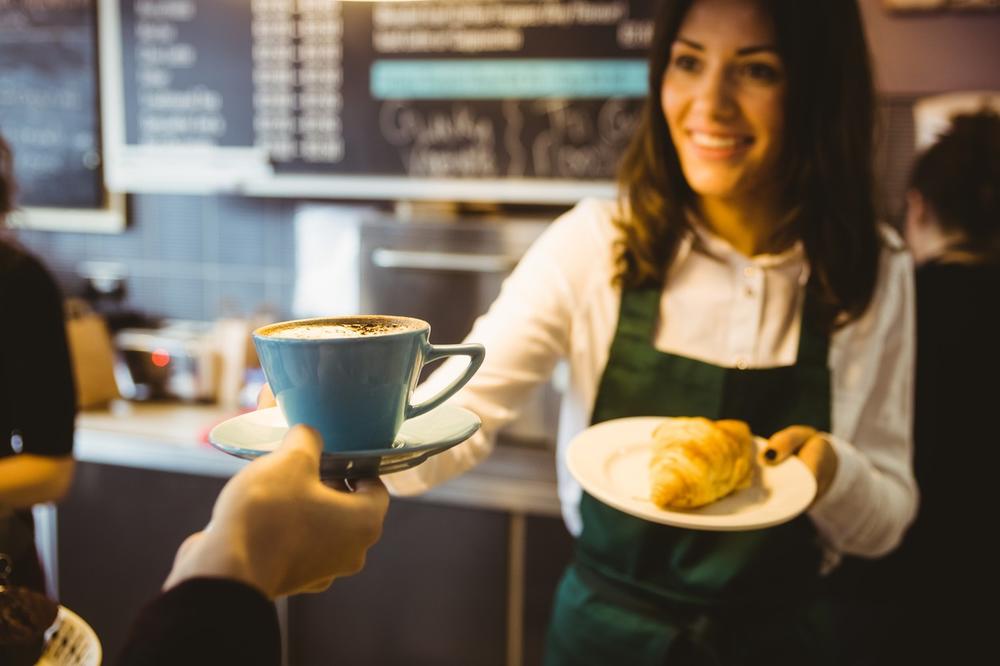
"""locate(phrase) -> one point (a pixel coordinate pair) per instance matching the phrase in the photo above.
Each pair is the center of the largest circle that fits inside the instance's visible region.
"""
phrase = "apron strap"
(814, 343)
(639, 311)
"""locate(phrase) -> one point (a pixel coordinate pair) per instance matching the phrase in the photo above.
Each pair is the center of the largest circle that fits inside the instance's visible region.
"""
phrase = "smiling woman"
(740, 275)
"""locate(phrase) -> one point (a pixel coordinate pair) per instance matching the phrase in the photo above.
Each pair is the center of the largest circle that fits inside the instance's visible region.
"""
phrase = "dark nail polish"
(770, 454)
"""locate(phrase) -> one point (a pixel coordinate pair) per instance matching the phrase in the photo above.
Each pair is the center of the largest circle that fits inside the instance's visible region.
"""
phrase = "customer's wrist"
(213, 555)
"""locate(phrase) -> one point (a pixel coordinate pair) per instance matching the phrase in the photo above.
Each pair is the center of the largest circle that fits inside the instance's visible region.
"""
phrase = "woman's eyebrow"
(746, 50)
(693, 44)
(749, 50)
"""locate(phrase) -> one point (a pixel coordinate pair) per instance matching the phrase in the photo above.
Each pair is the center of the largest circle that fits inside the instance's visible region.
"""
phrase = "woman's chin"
(723, 189)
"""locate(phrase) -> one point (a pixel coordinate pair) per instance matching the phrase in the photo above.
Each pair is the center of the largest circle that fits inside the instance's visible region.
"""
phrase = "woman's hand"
(812, 448)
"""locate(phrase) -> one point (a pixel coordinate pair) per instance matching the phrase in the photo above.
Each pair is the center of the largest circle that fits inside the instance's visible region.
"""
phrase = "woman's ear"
(916, 207)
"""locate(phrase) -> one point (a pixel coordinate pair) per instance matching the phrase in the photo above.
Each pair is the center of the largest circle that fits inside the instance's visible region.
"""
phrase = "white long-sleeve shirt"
(718, 306)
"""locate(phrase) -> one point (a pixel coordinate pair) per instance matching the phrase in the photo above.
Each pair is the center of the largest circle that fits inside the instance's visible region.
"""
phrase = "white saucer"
(253, 434)
(611, 462)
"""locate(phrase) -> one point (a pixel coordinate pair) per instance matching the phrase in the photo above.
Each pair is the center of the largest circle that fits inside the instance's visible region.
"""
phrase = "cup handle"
(475, 352)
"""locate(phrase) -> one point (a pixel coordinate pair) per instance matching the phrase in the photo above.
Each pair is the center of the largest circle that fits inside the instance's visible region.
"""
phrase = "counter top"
(170, 437)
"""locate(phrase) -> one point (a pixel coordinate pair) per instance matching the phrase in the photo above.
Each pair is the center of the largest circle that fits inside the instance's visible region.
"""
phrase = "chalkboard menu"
(48, 101)
(489, 99)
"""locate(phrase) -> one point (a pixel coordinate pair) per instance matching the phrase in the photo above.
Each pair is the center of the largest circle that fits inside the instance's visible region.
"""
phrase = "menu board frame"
(110, 219)
(917, 6)
(203, 169)
(103, 211)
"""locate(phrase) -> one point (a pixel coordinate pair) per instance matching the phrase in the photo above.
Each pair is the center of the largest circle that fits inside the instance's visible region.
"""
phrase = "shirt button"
(749, 271)
(748, 292)
(741, 364)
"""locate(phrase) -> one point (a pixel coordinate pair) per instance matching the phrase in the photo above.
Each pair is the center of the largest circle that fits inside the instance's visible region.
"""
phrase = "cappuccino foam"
(343, 330)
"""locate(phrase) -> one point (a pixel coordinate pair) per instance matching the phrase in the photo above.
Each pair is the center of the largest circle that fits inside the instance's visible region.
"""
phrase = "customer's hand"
(266, 397)
(812, 447)
(278, 528)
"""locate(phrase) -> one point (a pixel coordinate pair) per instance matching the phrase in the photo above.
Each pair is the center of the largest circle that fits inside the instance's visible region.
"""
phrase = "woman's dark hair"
(9, 254)
(7, 186)
(959, 176)
(826, 186)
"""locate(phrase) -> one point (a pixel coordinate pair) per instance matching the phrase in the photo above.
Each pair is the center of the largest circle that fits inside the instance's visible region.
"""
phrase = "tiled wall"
(188, 257)
(199, 257)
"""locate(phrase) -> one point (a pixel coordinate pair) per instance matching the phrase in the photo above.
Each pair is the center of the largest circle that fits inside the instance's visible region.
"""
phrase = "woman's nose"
(714, 94)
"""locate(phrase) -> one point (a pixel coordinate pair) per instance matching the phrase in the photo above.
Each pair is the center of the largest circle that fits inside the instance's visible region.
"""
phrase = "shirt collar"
(703, 240)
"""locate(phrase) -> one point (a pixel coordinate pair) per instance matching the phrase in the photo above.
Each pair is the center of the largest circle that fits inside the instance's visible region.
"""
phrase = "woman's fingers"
(813, 449)
(786, 442)
(819, 456)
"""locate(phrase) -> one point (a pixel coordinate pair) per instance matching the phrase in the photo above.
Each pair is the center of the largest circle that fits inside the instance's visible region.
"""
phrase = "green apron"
(642, 593)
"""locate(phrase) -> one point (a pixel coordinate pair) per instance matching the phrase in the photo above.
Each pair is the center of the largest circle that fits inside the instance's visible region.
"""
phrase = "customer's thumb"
(303, 443)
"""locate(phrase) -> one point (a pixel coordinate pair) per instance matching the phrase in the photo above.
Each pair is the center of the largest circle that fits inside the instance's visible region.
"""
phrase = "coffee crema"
(327, 331)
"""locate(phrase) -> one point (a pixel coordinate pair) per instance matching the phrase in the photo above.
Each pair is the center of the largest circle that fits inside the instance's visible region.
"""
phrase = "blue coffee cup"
(352, 378)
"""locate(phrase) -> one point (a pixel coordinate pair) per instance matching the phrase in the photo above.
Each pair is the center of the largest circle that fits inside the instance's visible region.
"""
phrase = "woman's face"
(723, 98)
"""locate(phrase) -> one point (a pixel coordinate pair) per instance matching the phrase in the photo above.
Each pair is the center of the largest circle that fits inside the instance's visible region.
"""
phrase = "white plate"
(253, 434)
(611, 462)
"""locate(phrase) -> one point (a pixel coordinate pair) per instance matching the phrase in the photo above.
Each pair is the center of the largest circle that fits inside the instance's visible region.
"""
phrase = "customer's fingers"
(786, 442)
(355, 517)
(303, 444)
(371, 492)
(368, 485)
(265, 398)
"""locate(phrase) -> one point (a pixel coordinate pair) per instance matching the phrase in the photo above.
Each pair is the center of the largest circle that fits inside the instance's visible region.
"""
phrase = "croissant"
(697, 461)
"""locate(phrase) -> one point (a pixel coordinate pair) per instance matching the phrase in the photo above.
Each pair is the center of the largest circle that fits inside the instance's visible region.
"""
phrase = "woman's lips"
(712, 145)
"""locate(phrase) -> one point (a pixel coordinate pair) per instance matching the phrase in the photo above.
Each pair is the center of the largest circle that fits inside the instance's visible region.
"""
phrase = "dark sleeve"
(35, 359)
(954, 435)
(205, 621)
(932, 382)
(953, 357)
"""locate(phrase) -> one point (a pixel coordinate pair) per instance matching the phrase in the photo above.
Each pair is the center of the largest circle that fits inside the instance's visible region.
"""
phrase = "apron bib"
(642, 593)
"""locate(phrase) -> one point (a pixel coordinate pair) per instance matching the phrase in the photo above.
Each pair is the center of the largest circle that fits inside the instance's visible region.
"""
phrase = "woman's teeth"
(715, 141)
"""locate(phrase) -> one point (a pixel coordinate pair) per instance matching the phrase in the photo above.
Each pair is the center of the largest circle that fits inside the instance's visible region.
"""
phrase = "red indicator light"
(160, 357)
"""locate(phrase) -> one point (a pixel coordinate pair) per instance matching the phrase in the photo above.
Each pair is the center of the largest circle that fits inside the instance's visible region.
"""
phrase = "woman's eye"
(759, 71)
(687, 63)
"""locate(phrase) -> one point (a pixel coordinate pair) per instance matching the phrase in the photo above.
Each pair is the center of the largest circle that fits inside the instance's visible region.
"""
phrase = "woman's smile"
(714, 145)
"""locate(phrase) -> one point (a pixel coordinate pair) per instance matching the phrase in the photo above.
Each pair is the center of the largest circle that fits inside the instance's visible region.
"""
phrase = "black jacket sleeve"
(37, 393)
(205, 621)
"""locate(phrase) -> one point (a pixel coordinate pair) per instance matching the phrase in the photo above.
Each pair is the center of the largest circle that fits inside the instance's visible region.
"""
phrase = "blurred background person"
(953, 228)
(921, 601)
(37, 395)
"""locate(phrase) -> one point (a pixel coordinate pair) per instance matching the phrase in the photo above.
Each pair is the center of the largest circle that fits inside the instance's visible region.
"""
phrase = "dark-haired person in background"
(37, 395)
(923, 601)
(742, 274)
